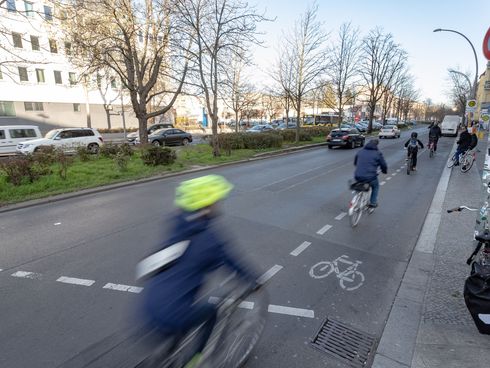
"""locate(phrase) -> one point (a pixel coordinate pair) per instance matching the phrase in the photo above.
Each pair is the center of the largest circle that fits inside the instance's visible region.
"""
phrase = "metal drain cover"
(350, 345)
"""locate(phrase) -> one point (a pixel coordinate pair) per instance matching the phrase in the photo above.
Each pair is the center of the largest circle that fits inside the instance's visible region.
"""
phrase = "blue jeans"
(374, 183)
(459, 151)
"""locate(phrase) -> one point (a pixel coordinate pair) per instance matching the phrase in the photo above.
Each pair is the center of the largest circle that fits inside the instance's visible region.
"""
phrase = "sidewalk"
(429, 325)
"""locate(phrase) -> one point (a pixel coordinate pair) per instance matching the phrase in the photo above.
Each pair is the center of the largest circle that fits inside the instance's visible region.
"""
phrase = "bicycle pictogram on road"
(350, 279)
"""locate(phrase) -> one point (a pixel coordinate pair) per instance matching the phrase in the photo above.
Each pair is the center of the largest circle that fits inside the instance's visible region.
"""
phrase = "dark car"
(345, 137)
(169, 137)
(260, 128)
(151, 129)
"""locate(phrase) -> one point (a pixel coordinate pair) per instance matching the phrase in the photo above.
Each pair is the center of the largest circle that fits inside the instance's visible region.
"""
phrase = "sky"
(411, 22)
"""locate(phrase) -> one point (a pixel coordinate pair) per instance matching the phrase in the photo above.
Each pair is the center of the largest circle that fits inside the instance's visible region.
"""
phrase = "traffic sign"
(485, 118)
(471, 106)
(486, 45)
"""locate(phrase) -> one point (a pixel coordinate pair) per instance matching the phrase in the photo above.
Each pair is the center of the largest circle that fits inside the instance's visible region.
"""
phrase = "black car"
(170, 137)
(151, 129)
(345, 137)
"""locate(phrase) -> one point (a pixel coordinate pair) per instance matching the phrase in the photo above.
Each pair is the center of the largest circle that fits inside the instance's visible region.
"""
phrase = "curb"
(105, 188)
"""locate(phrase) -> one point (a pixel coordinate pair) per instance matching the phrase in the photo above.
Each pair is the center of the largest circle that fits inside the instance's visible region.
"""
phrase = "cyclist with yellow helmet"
(175, 273)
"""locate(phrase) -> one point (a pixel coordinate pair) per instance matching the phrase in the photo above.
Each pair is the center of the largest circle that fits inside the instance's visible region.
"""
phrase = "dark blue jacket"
(367, 162)
(172, 292)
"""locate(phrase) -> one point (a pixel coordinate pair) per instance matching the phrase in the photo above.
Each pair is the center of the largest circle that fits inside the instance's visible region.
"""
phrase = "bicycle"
(350, 275)
(360, 201)
(410, 164)
(465, 160)
(431, 148)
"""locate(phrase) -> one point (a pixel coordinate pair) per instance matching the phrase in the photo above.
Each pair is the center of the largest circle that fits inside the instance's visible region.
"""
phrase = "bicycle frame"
(352, 266)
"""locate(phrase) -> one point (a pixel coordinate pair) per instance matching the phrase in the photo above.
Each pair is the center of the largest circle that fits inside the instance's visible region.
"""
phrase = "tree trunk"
(371, 116)
(142, 126)
(108, 116)
(298, 117)
(237, 124)
(214, 120)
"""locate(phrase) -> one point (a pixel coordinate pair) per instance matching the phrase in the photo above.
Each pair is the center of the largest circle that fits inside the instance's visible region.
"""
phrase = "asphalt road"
(67, 278)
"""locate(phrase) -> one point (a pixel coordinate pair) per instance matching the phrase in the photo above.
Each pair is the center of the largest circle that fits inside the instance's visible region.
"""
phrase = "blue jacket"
(172, 292)
(367, 162)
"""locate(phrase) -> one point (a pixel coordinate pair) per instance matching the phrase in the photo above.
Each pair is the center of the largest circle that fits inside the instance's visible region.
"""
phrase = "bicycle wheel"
(409, 165)
(355, 212)
(467, 163)
(352, 283)
(450, 163)
(321, 270)
(431, 152)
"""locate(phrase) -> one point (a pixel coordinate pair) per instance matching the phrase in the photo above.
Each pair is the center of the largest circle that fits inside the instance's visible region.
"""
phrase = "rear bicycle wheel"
(355, 212)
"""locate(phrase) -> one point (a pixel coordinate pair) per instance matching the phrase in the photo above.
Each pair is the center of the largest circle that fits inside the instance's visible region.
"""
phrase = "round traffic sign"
(486, 45)
(485, 118)
(471, 103)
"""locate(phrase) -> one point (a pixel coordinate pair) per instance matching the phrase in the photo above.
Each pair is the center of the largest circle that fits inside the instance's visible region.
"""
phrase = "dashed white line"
(341, 216)
(75, 281)
(398, 170)
(57, 223)
(269, 274)
(394, 174)
(121, 287)
(382, 183)
(324, 229)
(298, 312)
(244, 305)
(388, 178)
(300, 249)
(26, 275)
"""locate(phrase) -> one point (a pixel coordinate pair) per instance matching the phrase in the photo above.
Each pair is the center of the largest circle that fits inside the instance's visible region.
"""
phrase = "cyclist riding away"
(434, 134)
(367, 162)
(176, 271)
(412, 146)
(464, 144)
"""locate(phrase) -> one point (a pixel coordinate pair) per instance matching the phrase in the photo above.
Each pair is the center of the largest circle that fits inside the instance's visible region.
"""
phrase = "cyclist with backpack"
(464, 144)
(434, 134)
(412, 146)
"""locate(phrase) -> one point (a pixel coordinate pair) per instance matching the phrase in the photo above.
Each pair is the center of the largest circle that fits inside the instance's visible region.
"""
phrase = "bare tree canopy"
(220, 31)
(460, 89)
(343, 67)
(381, 61)
(138, 41)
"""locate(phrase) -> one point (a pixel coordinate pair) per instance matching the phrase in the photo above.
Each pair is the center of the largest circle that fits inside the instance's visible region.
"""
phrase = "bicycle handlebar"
(461, 208)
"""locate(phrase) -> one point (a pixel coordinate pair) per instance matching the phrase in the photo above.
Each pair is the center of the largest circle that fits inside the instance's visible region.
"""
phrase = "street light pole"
(464, 75)
(473, 92)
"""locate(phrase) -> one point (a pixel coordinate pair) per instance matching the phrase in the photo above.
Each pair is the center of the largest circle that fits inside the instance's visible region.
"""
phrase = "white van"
(450, 125)
(11, 135)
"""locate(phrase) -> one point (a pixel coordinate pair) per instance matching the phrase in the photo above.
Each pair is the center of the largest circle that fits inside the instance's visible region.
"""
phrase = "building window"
(29, 8)
(17, 38)
(33, 106)
(72, 78)
(68, 48)
(35, 43)
(52, 46)
(48, 13)
(76, 107)
(40, 75)
(113, 83)
(7, 108)
(23, 74)
(57, 77)
(11, 7)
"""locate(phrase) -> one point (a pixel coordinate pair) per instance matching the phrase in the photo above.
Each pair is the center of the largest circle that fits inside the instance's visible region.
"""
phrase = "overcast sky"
(410, 21)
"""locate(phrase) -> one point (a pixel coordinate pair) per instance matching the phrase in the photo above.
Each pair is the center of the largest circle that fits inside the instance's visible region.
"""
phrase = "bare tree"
(282, 74)
(137, 41)
(392, 90)
(305, 57)
(382, 59)
(221, 30)
(407, 97)
(343, 66)
(460, 89)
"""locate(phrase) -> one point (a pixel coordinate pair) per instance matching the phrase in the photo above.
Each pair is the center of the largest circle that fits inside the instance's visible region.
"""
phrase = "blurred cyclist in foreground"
(177, 270)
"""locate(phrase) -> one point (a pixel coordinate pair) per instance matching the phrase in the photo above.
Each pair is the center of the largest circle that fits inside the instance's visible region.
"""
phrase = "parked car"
(289, 126)
(362, 127)
(68, 139)
(377, 125)
(12, 135)
(260, 128)
(169, 137)
(389, 131)
(131, 137)
(345, 137)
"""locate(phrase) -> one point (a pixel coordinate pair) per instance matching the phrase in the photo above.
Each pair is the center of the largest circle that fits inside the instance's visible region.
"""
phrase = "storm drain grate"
(345, 343)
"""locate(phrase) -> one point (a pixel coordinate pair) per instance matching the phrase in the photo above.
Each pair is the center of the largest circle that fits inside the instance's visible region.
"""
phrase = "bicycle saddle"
(483, 237)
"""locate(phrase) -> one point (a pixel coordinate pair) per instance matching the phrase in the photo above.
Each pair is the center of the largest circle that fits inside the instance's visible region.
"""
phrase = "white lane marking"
(388, 178)
(26, 275)
(299, 312)
(269, 274)
(394, 174)
(324, 229)
(1, 269)
(341, 216)
(398, 170)
(244, 305)
(57, 223)
(382, 183)
(121, 287)
(300, 249)
(75, 281)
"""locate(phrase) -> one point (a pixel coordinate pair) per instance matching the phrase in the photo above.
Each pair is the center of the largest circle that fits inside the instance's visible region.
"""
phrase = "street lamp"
(464, 75)
(473, 92)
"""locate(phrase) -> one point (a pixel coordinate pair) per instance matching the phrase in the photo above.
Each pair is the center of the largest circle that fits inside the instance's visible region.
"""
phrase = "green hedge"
(234, 141)
(318, 131)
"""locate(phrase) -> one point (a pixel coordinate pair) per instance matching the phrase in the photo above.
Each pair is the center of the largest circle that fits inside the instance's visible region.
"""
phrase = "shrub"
(63, 161)
(126, 150)
(83, 153)
(109, 150)
(121, 160)
(16, 169)
(154, 156)
(289, 135)
(230, 141)
(45, 156)
(318, 131)
(262, 140)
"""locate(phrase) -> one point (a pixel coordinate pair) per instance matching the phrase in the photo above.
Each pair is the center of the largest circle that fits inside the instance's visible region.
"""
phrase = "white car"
(11, 135)
(389, 131)
(67, 139)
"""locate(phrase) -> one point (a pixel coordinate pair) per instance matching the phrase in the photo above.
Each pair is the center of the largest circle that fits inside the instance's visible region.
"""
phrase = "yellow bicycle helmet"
(195, 194)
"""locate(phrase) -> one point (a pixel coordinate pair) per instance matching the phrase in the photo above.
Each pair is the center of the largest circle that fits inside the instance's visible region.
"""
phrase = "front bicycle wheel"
(467, 163)
(450, 163)
(355, 212)
(353, 281)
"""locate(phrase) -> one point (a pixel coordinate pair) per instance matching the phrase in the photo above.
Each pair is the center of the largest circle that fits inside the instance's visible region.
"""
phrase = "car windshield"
(51, 134)
(158, 132)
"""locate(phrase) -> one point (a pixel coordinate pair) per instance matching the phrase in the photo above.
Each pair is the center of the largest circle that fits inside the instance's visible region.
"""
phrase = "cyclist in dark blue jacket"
(367, 162)
(195, 249)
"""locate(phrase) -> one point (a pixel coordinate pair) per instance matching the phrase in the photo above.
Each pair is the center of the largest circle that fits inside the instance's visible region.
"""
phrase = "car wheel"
(93, 148)
(362, 143)
(156, 143)
(330, 147)
(185, 142)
